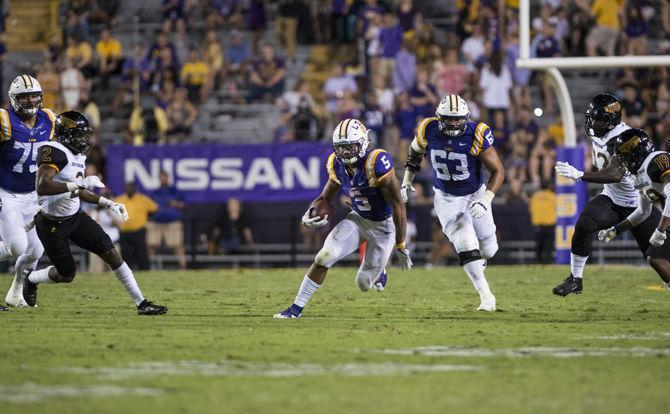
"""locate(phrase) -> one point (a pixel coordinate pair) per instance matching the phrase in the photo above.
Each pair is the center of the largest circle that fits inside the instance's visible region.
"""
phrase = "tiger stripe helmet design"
(452, 114)
(350, 141)
(20, 91)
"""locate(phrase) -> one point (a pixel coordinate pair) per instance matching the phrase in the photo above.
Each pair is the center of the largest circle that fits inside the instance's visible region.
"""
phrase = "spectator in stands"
(223, 12)
(636, 31)
(237, 56)
(105, 11)
(166, 225)
(473, 47)
(291, 100)
(543, 216)
(54, 50)
(548, 46)
(231, 230)
(96, 156)
(390, 40)
(404, 67)
(341, 17)
(374, 119)
(89, 108)
(384, 94)
(404, 119)
(148, 123)
(373, 49)
(604, 35)
(49, 80)
(406, 12)
(453, 77)
(77, 18)
(213, 49)
(72, 82)
(181, 115)
(335, 86)
(194, 76)
(424, 38)
(305, 122)
(520, 76)
(287, 25)
(367, 13)
(347, 107)
(423, 96)
(634, 109)
(173, 14)
(133, 231)
(542, 158)
(110, 55)
(256, 22)
(165, 96)
(267, 76)
(496, 84)
(81, 53)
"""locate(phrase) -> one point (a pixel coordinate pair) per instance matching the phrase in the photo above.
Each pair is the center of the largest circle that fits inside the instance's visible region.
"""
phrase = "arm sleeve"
(420, 141)
(642, 211)
(51, 156)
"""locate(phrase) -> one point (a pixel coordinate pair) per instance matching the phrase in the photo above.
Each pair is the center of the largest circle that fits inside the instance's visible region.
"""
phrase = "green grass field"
(417, 347)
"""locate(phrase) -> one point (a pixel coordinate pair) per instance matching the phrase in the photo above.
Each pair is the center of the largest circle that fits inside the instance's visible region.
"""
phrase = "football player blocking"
(23, 127)
(457, 149)
(618, 199)
(378, 215)
(60, 187)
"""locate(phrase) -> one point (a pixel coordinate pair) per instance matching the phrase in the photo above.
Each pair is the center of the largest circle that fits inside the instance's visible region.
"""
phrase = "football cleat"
(293, 312)
(487, 303)
(570, 285)
(3, 308)
(30, 292)
(148, 308)
(380, 284)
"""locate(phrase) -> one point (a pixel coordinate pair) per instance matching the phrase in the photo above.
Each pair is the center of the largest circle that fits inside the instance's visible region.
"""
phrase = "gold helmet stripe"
(346, 127)
(453, 104)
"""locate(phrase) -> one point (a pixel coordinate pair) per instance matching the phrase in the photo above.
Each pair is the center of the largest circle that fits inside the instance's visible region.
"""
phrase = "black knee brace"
(581, 240)
(469, 256)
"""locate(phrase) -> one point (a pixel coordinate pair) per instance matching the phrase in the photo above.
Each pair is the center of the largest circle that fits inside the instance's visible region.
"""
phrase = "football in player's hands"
(321, 208)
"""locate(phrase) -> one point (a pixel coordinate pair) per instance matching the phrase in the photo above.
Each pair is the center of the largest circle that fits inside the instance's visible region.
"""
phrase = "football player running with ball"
(619, 197)
(651, 172)
(457, 148)
(60, 187)
(378, 214)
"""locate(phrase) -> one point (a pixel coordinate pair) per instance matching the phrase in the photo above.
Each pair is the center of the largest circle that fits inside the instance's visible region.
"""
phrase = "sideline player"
(651, 170)
(23, 128)
(378, 214)
(618, 199)
(60, 186)
(457, 148)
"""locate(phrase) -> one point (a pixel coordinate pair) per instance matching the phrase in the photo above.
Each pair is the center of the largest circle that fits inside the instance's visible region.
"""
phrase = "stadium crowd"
(160, 83)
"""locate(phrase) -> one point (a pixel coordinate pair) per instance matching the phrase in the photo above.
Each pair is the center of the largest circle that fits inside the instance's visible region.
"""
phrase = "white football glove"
(404, 192)
(404, 259)
(90, 182)
(607, 235)
(480, 206)
(119, 210)
(658, 238)
(564, 169)
(314, 222)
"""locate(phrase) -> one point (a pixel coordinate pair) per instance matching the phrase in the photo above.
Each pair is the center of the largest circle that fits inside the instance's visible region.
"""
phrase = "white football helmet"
(350, 141)
(452, 114)
(25, 95)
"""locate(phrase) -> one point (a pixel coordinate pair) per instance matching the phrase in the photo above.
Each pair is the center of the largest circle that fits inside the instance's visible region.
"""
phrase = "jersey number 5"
(439, 160)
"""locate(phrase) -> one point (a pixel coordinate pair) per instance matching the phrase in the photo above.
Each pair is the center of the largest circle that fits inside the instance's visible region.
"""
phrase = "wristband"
(72, 186)
(488, 196)
(104, 202)
(400, 246)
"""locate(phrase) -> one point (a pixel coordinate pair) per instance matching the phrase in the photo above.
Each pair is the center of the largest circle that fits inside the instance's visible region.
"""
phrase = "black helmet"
(632, 147)
(602, 115)
(73, 131)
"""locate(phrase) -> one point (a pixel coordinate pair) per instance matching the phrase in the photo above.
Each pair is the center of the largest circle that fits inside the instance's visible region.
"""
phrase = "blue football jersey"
(366, 197)
(18, 148)
(457, 169)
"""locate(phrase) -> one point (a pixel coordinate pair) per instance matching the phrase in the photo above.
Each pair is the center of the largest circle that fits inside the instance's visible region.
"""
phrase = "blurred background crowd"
(185, 71)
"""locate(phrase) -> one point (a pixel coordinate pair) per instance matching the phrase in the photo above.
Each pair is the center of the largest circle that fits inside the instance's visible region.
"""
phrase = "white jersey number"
(360, 200)
(439, 160)
(28, 150)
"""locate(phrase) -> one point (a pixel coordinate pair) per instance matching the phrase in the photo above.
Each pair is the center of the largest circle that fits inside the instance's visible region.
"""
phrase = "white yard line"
(255, 369)
(552, 352)
(30, 393)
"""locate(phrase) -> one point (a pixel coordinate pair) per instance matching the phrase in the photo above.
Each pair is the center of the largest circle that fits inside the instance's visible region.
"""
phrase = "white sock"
(667, 285)
(475, 271)
(307, 288)
(126, 277)
(577, 264)
(40, 276)
(5, 251)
